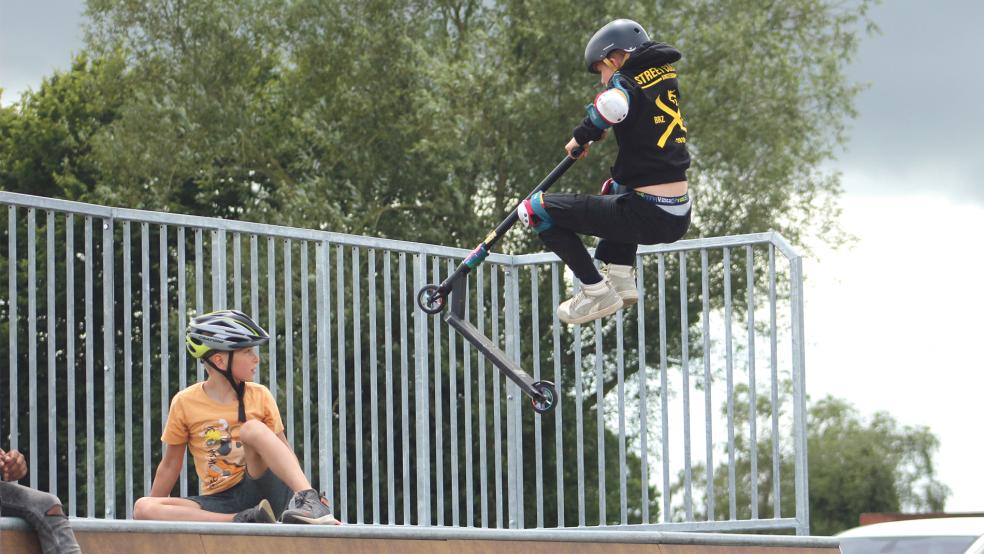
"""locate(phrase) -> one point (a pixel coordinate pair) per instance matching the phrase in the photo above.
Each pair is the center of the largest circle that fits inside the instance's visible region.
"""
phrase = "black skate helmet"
(621, 34)
(224, 331)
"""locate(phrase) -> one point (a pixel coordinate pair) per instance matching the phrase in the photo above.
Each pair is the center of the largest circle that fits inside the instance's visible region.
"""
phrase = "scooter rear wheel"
(549, 393)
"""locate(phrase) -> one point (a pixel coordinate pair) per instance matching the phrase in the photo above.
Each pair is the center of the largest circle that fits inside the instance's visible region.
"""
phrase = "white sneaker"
(590, 303)
(623, 280)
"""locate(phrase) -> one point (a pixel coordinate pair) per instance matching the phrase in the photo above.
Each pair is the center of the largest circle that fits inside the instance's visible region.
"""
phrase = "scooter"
(433, 298)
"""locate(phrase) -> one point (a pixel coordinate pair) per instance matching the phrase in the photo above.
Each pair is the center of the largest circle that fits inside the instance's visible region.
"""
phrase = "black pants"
(622, 221)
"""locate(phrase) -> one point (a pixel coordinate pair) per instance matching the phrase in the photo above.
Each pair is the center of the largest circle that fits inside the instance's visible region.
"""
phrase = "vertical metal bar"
(752, 389)
(237, 273)
(90, 410)
(774, 363)
(165, 388)
(469, 464)
(420, 399)
(600, 421)
(688, 504)
(643, 390)
(623, 489)
(373, 387)
(181, 246)
(32, 344)
(729, 372)
(127, 370)
(219, 281)
(708, 385)
(182, 317)
(512, 474)
(12, 313)
(404, 392)
(145, 390)
(289, 339)
(482, 424)
(323, 346)
(515, 400)
(70, 358)
(52, 375)
(799, 397)
(199, 293)
(109, 371)
(537, 424)
(342, 390)
(254, 288)
(330, 441)
(272, 313)
(558, 416)
(357, 377)
(579, 417)
(453, 416)
(496, 418)
(305, 356)
(438, 401)
(664, 395)
(390, 428)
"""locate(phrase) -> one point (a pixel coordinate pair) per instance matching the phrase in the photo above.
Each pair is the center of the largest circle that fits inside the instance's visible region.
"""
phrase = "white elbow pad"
(612, 105)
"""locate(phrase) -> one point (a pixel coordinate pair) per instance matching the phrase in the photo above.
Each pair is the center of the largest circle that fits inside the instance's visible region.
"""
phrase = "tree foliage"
(856, 465)
(426, 120)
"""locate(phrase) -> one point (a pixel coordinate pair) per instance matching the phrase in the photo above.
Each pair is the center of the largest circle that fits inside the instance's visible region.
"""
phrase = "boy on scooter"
(646, 200)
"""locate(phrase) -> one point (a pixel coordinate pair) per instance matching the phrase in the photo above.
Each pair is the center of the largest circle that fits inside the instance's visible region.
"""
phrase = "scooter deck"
(455, 318)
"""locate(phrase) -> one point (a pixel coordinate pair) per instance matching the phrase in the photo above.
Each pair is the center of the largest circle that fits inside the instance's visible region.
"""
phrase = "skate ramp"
(115, 536)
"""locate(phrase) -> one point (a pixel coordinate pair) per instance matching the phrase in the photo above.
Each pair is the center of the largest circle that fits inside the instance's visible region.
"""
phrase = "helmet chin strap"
(239, 387)
(613, 66)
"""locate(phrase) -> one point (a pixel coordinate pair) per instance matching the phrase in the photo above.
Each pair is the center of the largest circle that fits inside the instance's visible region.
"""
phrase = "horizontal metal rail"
(397, 532)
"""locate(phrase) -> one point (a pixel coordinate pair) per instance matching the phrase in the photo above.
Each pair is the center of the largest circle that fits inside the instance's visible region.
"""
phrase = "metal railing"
(390, 413)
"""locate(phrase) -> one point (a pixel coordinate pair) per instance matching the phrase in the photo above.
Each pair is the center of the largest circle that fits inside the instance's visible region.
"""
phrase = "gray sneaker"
(590, 303)
(623, 280)
(308, 507)
(261, 513)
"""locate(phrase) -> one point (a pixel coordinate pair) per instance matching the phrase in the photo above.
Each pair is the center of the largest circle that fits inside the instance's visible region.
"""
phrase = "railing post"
(421, 396)
(799, 397)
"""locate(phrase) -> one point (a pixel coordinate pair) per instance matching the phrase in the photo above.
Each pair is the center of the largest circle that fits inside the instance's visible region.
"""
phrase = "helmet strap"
(611, 64)
(239, 388)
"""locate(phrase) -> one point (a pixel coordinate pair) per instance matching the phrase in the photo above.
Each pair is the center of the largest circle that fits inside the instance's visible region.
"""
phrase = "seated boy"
(42, 511)
(246, 470)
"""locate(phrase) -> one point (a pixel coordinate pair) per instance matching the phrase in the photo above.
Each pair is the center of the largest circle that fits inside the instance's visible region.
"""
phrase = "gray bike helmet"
(621, 34)
(224, 331)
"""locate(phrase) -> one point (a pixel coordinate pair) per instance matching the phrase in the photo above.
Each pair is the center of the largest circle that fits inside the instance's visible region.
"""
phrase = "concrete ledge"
(98, 535)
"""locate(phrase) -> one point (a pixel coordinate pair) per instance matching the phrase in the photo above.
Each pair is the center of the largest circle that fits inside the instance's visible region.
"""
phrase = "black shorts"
(247, 494)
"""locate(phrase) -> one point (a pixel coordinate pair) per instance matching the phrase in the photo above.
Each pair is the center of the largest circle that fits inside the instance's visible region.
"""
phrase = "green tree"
(856, 465)
(426, 120)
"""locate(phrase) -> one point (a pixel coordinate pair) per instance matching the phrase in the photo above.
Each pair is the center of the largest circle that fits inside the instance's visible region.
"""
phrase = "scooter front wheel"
(549, 394)
(430, 299)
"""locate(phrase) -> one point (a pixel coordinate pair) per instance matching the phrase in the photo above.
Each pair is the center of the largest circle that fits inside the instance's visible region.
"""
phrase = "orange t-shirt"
(211, 431)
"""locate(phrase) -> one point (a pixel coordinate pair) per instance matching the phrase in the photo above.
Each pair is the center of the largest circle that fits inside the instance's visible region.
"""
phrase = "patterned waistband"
(665, 200)
(661, 200)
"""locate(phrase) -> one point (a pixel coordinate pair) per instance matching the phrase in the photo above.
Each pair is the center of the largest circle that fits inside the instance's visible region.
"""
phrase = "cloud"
(919, 123)
(36, 38)
(894, 323)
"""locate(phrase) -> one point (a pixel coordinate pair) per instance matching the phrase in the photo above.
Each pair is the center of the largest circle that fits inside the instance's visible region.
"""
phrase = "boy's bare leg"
(266, 450)
(174, 509)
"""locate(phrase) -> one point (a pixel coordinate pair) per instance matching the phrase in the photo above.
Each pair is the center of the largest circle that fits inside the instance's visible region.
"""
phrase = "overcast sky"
(890, 323)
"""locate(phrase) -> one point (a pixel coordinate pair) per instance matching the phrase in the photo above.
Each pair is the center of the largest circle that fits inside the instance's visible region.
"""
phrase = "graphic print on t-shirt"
(223, 455)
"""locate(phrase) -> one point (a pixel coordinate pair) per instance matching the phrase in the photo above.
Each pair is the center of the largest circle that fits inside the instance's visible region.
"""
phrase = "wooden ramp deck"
(119, 537)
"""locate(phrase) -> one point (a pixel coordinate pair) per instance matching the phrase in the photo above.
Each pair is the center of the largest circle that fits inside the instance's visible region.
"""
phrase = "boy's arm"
(168, 470)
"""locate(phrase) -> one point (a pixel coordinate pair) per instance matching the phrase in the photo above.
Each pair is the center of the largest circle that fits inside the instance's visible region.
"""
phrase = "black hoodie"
(652, 139)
